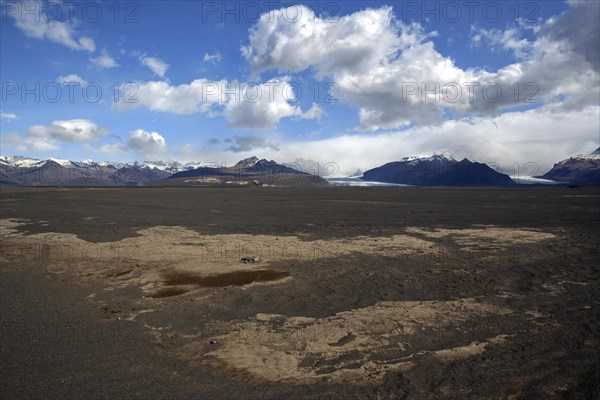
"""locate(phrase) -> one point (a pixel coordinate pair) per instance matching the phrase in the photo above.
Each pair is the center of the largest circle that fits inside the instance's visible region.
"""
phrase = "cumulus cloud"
(249, 143)
(214, 58)
(39, 144)
(104, 61)
(146, 142)
(244, 105)
(393, 74)
(391, 71)
(262, 106)
(50, 137)
(70, 79)
(355, 42)
(156, 65)
(23, 143)
(182, 99)
(33, 22)
(68, 131)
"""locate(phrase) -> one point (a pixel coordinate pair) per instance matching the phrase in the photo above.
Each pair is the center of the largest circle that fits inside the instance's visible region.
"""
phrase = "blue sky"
(170, 54)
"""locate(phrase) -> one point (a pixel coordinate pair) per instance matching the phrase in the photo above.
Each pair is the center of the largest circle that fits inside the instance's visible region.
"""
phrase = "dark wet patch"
(174, 280)
(235, 278)
(344, 340)
(168, 292)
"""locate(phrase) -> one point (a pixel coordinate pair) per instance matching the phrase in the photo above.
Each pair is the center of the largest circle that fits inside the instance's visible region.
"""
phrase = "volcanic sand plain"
(355, 293)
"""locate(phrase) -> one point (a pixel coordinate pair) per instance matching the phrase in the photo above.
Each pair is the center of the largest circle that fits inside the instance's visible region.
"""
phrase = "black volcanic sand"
(66, 337)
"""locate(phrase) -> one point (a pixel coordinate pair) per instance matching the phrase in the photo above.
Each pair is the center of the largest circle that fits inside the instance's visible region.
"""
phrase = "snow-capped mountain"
(437, 170)
(172, 166)
(20, 161)
(18, 170)
(414, 160)
(249, 171)
(582, 168)
(169, 166)
(594, 155)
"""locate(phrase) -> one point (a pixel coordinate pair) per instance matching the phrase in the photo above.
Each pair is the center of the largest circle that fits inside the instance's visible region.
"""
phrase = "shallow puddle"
(234, 278)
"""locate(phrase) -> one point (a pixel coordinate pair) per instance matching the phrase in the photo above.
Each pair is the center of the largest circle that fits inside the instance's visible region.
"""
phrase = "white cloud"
(68, 131)
(104, 60)
(13, 141)
(213, 58)
(245, 106)
(181, 99)
(524, 143)
(8, 116)
(509, 39)
(40, 144)
(262, 106)
(32, 21)
(145, 142)
(390, 71)
(355, 42)
(386, 68)
(50, 137)
(70, 79)
(156, 65)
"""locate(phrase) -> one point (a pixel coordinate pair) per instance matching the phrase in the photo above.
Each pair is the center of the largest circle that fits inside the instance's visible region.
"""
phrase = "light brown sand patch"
(460, 352)
(485, 236)
(340, 346)
(141, 259)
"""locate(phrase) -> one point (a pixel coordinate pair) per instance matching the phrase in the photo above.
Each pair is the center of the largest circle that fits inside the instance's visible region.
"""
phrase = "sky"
(345, 83)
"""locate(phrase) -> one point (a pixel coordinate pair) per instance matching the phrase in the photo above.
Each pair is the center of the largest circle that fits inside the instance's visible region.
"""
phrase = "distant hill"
(247, 172)
(581, 169)
(437, 170)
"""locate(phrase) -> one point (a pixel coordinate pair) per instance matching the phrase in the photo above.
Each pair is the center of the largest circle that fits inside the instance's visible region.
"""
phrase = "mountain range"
(17, 170)
(249, 171)
(436, 170)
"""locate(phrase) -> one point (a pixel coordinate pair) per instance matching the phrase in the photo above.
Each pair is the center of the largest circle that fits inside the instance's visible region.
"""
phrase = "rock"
(250, 259)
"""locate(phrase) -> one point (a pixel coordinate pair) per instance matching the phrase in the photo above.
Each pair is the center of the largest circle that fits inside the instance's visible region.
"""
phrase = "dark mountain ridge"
(437, 170)
(249, 171)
